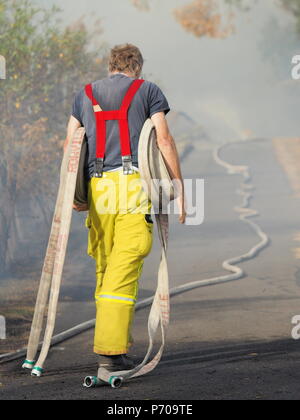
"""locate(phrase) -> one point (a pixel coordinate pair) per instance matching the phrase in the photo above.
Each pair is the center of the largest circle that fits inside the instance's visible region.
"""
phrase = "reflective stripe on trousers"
(111, 297)
(120, 237)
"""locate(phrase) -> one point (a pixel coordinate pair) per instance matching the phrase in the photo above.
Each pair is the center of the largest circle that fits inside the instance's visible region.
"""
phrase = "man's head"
(126, 58)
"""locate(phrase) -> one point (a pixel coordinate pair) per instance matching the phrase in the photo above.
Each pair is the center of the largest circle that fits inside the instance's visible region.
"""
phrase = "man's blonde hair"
(126, 58)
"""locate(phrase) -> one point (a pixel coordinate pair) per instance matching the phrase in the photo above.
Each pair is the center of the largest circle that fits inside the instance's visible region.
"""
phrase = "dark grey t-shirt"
(109, 93)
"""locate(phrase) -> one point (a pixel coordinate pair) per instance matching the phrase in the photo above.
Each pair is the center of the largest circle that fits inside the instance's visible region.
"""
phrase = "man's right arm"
(167, 146)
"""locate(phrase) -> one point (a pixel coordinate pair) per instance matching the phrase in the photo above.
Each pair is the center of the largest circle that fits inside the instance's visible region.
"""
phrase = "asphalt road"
(230, 341)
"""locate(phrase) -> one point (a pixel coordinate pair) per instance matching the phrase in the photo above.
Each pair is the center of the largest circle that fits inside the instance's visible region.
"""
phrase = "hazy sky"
(225, 85)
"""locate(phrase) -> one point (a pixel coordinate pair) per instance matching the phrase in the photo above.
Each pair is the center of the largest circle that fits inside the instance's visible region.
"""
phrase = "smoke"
(232, 87)
(224, 121)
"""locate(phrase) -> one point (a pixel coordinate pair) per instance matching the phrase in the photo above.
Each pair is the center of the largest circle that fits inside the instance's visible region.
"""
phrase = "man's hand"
(80, 207)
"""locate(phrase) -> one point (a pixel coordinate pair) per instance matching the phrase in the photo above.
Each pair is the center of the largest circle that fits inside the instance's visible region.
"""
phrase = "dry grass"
(17, 303)
(287, 151)
(17, 306)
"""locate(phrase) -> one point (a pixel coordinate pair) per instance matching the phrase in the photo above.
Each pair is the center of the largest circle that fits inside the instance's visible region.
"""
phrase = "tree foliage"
(204, 18)
(293, 7)
(46, 64)
(141, 4)
(215, 18)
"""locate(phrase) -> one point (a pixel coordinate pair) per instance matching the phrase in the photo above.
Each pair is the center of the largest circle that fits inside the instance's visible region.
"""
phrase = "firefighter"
(113, 111)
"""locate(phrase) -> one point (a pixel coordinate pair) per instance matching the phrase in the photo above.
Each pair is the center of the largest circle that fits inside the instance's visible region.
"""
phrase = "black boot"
(115, 363)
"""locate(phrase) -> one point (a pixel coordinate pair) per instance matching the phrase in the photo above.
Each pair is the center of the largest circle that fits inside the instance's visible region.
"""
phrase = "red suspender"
(100, 125)
(123, 123)
(120, 115)
(89, 92)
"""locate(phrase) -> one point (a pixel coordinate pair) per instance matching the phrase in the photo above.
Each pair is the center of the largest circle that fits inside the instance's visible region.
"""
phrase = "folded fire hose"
(160, 189)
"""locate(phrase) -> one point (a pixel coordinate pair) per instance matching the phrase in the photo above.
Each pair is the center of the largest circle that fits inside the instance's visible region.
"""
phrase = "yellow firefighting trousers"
(120, 237)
